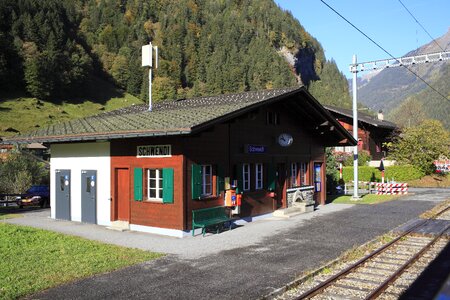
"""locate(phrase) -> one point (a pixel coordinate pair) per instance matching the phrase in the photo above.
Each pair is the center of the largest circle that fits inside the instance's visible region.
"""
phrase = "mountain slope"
(391, 87)
(52, 48)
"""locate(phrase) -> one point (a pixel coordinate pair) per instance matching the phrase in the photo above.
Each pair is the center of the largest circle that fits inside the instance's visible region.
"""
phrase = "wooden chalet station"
(149, 170)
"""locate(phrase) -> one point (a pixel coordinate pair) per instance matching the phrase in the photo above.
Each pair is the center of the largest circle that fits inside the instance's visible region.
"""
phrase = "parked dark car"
(36, 195)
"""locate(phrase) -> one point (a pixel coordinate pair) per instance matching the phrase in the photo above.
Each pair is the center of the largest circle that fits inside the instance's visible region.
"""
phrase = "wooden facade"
(372, 132)
(223, 147)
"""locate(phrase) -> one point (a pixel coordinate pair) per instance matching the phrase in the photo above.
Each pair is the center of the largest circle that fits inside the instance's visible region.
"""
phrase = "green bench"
(205, 217)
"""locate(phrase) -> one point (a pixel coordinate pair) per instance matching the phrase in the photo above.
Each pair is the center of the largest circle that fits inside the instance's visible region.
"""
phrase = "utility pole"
(147, 61)
(354, 70)
(356, 67)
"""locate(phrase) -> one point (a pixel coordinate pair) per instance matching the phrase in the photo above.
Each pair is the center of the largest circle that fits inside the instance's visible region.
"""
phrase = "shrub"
(19, 172)
(347, 158)
(420, 145)
(398, 173)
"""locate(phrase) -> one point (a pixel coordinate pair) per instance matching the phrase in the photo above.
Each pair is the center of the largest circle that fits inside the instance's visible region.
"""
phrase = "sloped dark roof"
(362, 117)
(178, 117)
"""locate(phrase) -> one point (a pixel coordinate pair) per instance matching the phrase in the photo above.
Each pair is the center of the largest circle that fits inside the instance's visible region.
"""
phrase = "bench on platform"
(205, 217)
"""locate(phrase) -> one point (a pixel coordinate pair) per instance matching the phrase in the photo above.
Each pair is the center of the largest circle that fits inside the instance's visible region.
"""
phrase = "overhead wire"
(384, 50)
(417, 21)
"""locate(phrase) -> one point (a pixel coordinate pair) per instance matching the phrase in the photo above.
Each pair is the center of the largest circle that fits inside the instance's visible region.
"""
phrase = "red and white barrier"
(392, 188)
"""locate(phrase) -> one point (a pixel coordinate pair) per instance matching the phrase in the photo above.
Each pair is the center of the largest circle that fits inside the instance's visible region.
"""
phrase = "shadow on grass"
(15, 210)
(96, 90)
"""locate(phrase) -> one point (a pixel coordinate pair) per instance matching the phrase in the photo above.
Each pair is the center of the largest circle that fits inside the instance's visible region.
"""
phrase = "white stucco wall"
(83, 156)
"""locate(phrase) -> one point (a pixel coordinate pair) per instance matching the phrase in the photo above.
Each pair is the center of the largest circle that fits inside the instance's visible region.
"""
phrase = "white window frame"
(246, 177)
(303, 168)
(259, 176)
(206, 184)
(158, 184)
(294, 174)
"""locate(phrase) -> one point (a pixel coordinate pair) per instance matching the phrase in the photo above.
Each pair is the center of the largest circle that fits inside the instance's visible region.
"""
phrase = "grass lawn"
(22, 113)
(365, 199)
(438, 181)
(32, 260)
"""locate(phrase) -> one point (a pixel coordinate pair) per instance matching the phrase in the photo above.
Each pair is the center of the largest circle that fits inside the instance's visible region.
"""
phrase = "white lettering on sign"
(154, 151)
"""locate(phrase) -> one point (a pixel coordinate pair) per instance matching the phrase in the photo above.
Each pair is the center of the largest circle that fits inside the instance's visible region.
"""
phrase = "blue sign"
(256, 149)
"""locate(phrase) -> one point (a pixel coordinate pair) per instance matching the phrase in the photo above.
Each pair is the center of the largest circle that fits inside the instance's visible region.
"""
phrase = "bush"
(420, 145)
(398, 173)
(347, 158)
(19, 172)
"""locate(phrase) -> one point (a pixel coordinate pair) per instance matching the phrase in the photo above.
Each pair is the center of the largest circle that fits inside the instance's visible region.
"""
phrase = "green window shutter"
(196, 180)
(138, 184)
(239, 177)
(271, 177)
(167, 185)
(220, 180)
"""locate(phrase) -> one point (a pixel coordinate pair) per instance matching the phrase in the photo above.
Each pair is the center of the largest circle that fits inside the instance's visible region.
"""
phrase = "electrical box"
(147, 57)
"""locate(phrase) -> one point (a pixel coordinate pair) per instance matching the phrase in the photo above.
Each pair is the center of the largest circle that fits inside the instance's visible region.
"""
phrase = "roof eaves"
(100, 136)
(365, 119)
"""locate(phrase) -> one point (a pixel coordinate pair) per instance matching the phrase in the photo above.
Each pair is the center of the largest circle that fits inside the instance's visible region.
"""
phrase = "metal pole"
(150, 89)
(355, 129)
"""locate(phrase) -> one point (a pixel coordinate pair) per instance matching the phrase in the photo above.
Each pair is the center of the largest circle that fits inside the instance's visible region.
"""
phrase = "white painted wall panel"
(83, 156)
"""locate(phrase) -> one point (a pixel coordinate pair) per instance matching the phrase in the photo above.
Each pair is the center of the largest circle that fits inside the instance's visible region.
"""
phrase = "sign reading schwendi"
(154, 151)
(256, 149)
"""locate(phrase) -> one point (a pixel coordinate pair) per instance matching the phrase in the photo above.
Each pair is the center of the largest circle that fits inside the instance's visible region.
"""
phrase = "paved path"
(245, 263)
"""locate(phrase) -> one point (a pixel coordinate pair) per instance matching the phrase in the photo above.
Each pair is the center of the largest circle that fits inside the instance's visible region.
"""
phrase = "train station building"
(148, 170)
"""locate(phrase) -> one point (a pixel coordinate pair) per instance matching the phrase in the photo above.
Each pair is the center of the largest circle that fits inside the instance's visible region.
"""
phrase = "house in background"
(148, 170)
(372, 131)
(5, 150)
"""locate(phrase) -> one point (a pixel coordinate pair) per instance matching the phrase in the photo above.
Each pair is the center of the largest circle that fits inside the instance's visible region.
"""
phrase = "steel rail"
(375, 293)
(319, 288)
(322, 286)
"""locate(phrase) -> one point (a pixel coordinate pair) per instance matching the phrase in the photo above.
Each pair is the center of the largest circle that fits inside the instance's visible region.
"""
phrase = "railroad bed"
(395, 270)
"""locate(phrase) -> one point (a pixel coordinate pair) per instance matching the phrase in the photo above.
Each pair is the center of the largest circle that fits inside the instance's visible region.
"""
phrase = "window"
(207, 182)
(303, 167)
(246, 177)
(259, 176)
(294, 175)
(272, 118)
(298, 174)
(154, 184)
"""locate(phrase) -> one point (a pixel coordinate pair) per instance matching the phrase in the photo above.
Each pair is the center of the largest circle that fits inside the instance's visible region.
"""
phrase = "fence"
(365, 187)
(392, 188)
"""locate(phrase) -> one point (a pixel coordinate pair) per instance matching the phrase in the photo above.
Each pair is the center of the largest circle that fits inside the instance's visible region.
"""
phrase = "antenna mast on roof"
(147, 61)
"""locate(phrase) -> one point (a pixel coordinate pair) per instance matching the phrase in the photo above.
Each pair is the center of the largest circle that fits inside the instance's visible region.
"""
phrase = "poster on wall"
(317, 177)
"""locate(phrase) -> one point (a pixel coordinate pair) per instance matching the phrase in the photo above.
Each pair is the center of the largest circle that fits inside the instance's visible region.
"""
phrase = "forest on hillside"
(53, 49)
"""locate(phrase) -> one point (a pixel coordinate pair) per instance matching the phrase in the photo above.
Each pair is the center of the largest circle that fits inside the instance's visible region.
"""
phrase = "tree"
(163, 89)
(420, 145)
(18, 172)
(410, 113)
(331, 169)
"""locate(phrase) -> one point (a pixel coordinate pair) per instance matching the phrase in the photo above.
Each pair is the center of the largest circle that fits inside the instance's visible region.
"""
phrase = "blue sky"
(385, 21)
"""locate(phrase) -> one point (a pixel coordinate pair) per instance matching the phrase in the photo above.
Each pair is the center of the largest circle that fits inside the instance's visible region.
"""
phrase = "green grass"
(365, 199)
(26, 114)
(33, 259)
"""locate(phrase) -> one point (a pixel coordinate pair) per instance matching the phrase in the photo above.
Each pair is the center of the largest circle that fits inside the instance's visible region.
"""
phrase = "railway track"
(390, 270)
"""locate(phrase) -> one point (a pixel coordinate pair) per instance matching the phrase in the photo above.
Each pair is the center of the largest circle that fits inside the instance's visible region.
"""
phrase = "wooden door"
(123, 194)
